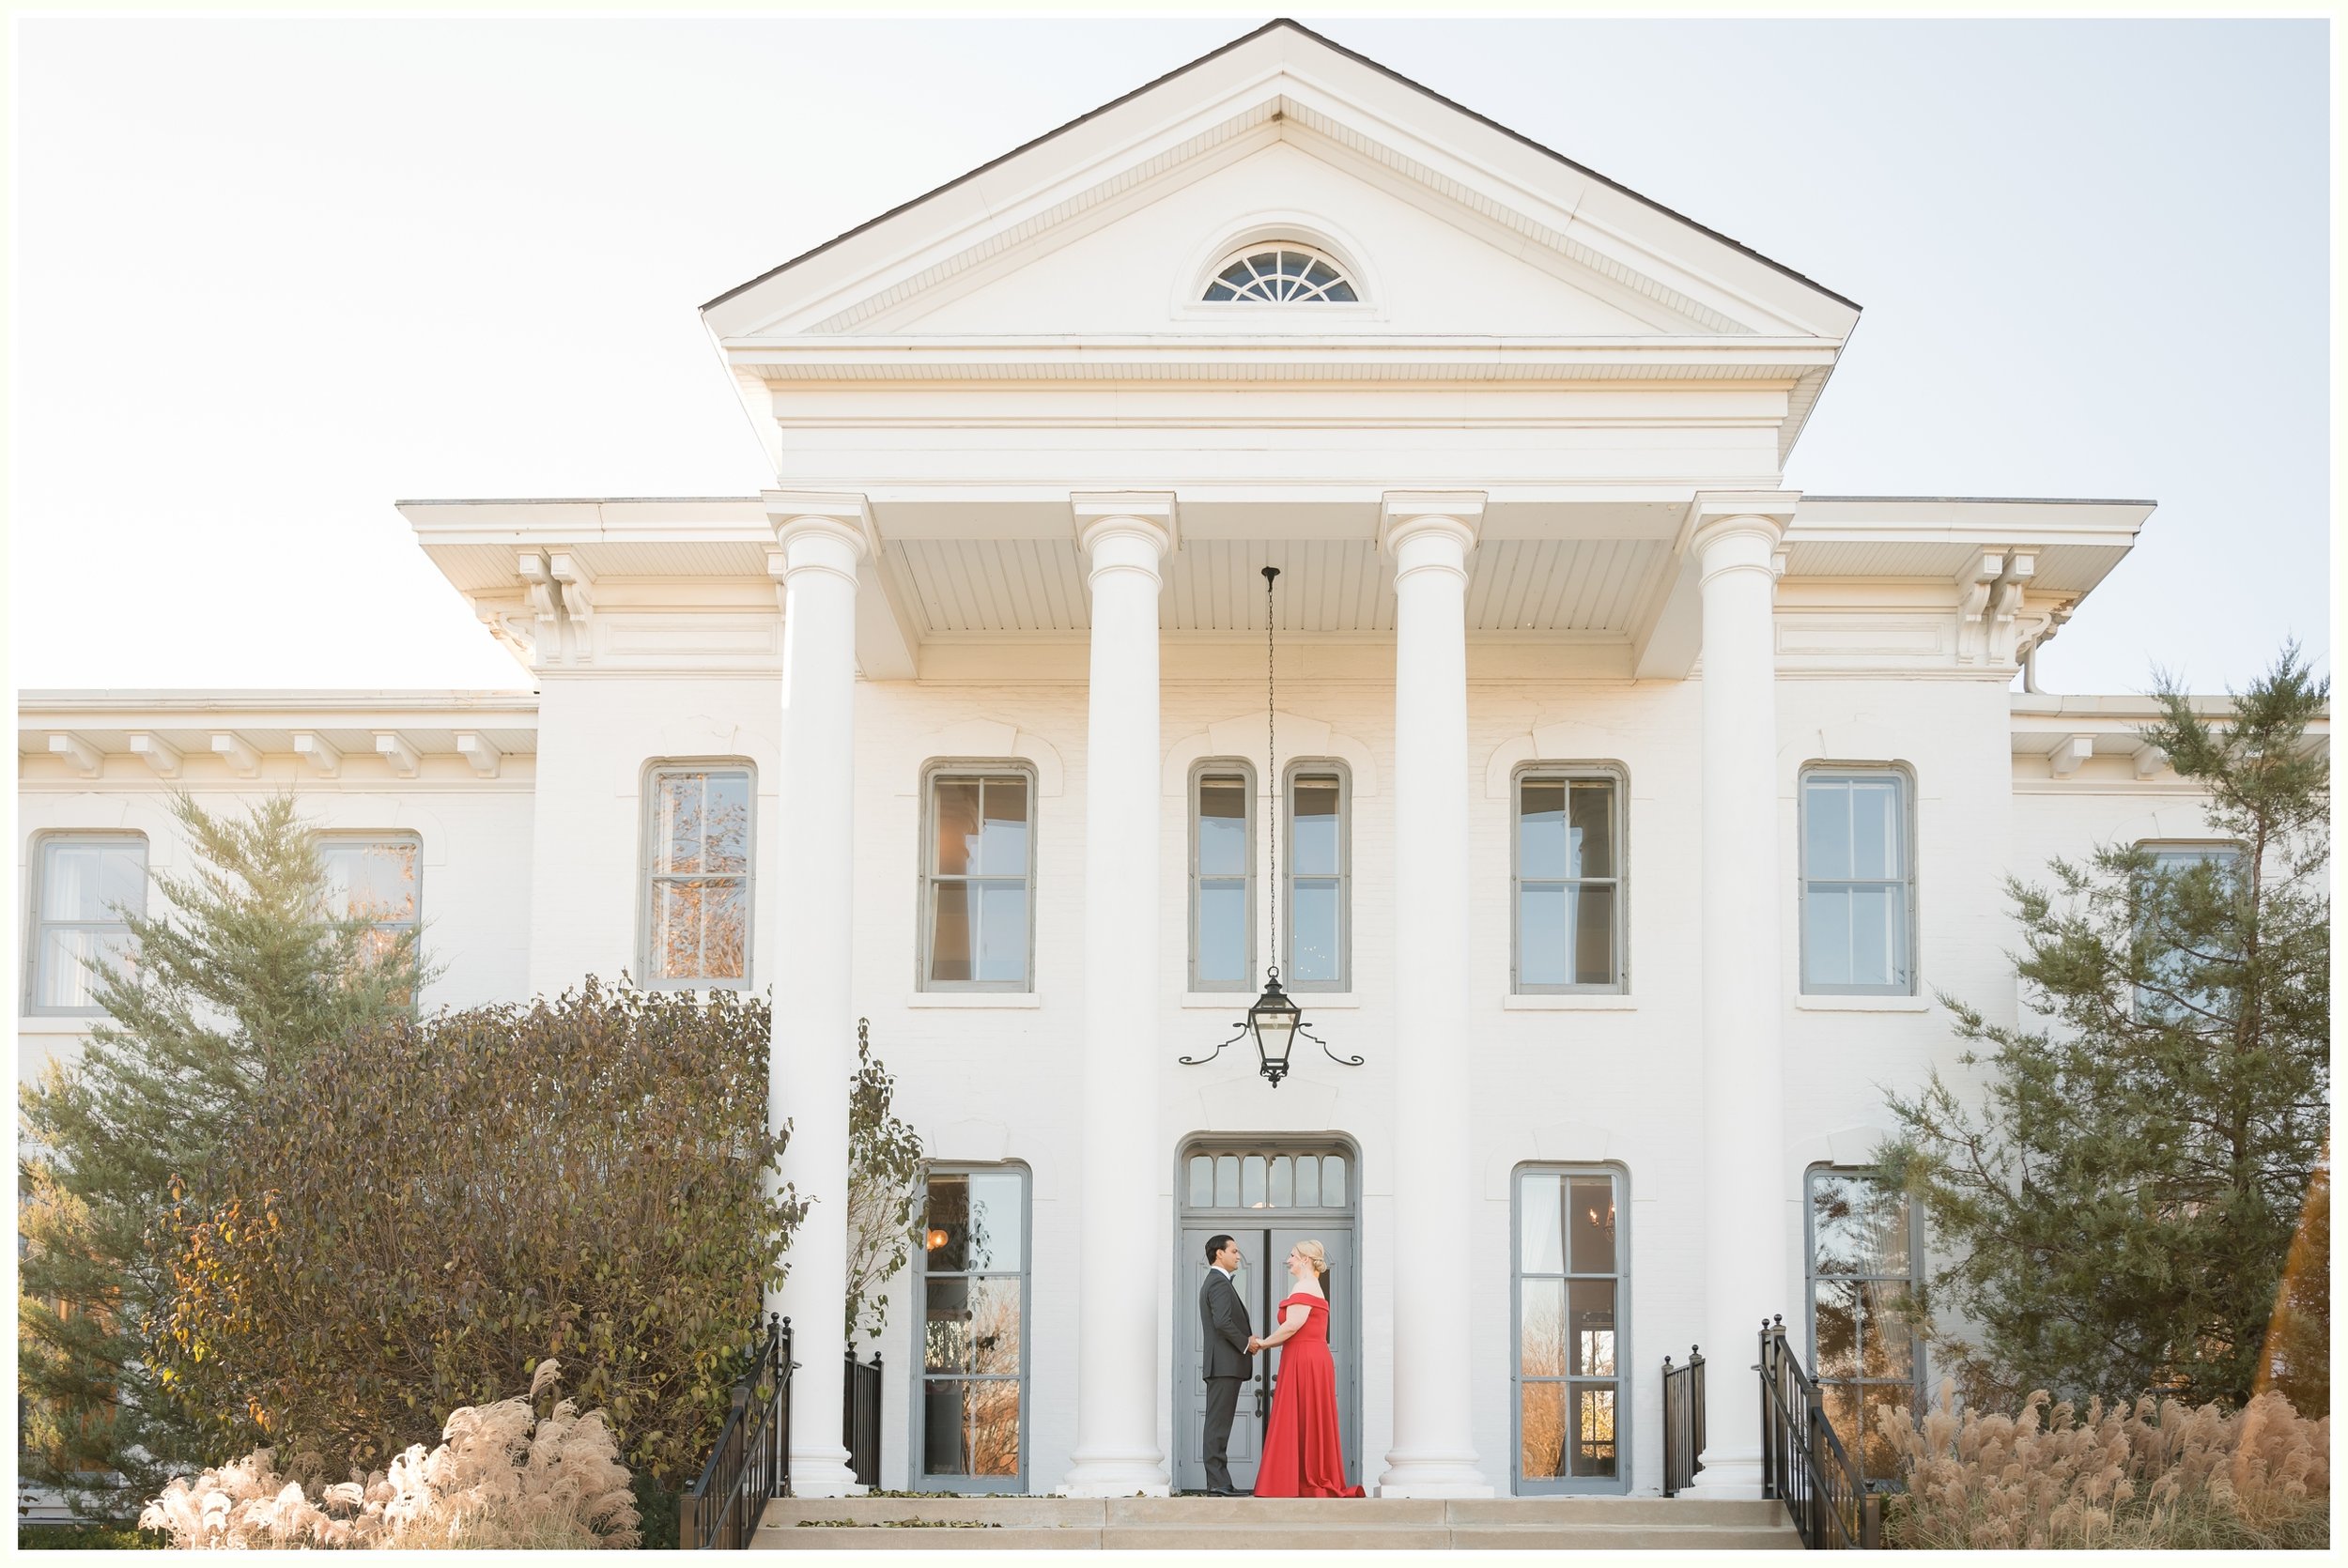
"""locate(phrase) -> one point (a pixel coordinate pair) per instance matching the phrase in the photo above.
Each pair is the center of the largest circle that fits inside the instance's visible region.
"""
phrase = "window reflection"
(973, 1324)
(977, 914)
(700, 875)
(1861, 1267)
(1569, 1354)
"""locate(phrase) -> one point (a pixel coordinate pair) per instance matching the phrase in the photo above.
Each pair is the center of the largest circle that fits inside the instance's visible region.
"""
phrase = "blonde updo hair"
(1314, 1254)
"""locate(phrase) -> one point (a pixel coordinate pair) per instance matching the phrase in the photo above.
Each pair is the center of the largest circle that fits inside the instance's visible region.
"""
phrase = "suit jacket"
(1224, 1327)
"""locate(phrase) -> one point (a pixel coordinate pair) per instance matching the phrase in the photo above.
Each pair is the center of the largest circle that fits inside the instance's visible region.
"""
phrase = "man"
(1226, 1338)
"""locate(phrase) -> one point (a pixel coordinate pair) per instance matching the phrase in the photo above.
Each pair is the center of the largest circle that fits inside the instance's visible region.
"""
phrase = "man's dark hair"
(1215, 1244)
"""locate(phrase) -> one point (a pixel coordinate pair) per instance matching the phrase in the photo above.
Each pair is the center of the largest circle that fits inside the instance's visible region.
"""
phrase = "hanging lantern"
(1275, 1020)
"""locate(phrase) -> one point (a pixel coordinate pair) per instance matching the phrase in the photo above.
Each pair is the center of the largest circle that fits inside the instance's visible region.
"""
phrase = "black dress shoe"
(1218, 1492)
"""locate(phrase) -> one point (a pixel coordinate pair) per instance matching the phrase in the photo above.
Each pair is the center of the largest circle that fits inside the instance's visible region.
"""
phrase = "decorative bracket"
(238, 753)
(395, 750)
(475, 748)
(86, 758)
(2069, 753)
(1989, 598)
(324, 757)
(160, 754)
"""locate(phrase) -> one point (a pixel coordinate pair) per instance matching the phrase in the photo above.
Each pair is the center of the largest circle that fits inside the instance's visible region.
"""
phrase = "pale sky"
(272, 275)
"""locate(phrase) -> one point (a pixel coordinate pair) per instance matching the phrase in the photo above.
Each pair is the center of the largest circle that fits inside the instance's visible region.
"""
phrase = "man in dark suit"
(1224, 1332)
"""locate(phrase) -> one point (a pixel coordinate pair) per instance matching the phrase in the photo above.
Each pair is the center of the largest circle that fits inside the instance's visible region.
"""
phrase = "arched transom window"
(1281, 275)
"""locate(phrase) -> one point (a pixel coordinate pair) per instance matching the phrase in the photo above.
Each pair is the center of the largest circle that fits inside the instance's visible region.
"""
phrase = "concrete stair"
(1281, 1524)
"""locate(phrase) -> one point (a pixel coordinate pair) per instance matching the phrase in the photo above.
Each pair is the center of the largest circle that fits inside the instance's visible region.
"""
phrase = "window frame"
(1250, 878)
(928, 877)
(2141, 1000)
(919, 1378)
(37, 928)
(1202, 296)
(1522, 1485)
(1285, 937)
(647, 917)
(1914, 1280)
(1618, 775)
(1905, 778)
(325, 837)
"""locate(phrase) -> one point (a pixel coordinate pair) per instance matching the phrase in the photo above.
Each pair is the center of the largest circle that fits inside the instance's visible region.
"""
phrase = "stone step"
(1191, 1511)
(1324, 1538)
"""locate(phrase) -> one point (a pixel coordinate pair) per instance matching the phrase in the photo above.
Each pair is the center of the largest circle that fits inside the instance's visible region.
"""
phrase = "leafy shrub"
(2159, 1474)
(503, 1478)
(884, 1191)
(442, 1200)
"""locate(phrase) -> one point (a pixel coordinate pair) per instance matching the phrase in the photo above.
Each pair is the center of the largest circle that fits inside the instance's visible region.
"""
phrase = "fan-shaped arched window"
(1281, 275)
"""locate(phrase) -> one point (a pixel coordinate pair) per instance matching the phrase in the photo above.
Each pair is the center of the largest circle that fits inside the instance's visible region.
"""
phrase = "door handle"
(1259, 1409)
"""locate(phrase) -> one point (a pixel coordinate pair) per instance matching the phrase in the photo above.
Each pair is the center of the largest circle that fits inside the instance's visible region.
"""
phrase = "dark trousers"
(1222, 1400)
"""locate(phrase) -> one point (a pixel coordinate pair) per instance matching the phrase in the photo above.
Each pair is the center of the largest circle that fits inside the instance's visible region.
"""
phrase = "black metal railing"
(1803, 1462)
(860, 1417)
(1683, 1422)
(752, 1460)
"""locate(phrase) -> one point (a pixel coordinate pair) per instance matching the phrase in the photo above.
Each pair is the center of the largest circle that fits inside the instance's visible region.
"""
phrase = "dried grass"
(2158, 1475)
(502, 1478)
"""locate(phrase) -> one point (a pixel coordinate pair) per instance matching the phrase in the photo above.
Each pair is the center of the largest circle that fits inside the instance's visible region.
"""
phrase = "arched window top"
(1283, 273)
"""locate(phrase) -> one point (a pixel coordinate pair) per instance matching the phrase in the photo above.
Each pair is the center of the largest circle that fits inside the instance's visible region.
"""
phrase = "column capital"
(1765, 512)
(846, 517)
(1147, 515)
(1403, 514)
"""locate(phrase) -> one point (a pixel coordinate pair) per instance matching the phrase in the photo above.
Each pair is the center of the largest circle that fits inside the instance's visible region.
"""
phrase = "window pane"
(1202, 1181)
(1541, 921)
(1251, 1181)
(994, 1428)
(1542, 1328)
(698, 930)
(1884, 1348)
(1836, 1305)
(1842, 1412)
(1871, 928)
(1858, 1225)
(64, 980)
(1881, 1459)
(1593, 1344)
(1003, 931)
(1541, 828)
(1226, 1181)
(1313, 932)
(87, 880)
(1591, 1215)
(1540, 1223)
(1874, 828)
(1221, 935)
(1313, 839)
(1333, 1181)
(970, 1428)
(945, 1429)
(726, 823)
(1594, 935)
(1003, 838)
(1541, 1431)
(957, 810)
(949, 1236)
(370, 880)
(998, 1224)
(1592, 838)
(1826, 847)
(1307, 1181)
(946, 1323)
(1283, 1193)
(949, 930)
(1222, 825)
(1593, 1436)
(1826, 936)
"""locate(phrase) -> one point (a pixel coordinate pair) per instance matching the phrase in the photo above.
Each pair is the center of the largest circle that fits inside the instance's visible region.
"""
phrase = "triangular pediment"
(1108, 226)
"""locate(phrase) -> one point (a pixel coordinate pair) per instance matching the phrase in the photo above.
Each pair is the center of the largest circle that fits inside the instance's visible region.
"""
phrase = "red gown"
(1302, 1456)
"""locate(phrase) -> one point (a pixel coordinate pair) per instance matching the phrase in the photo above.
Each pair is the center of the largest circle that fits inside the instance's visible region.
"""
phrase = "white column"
(820, 540)
(1746, 1190)
(1434, 1377)
(1119, 1311)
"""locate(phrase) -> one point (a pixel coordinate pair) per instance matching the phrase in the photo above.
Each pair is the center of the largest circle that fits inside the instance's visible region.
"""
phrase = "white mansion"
(1626, 808)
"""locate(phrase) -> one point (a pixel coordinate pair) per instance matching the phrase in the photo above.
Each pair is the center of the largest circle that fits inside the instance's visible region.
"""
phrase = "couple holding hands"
(1302, 1457)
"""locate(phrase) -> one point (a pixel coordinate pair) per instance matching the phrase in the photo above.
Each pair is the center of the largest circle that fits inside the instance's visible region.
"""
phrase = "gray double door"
(1262, 1281)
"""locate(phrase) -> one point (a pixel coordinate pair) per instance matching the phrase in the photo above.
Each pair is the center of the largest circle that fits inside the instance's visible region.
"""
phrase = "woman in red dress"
(1302, 1457)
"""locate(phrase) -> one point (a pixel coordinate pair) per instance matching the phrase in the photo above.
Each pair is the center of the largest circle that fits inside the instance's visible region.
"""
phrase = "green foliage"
(2120, 1202)
(884, 1191)
(88, 1538)
(447, 1199)
(241, 980)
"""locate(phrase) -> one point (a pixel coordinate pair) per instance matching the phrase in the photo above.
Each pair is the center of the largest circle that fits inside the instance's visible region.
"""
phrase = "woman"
(1302, 1457)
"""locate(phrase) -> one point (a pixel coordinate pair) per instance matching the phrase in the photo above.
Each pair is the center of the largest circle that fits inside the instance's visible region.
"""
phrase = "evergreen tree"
(885, 1192)
(247, 973)
(2120, 1202)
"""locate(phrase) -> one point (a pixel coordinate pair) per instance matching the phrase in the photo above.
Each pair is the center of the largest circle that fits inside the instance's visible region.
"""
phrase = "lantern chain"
(1272, 771)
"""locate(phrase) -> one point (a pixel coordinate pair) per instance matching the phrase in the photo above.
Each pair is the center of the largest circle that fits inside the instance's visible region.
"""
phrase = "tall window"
(1858, 883)
(697, 875)
(1222, 877)
(970, 1403)
(1571, 1278)
(2178, 986)
(1317, 907)
(1570, 904)
(373, 878)
(1863, 1260)
(83, 883)
(978, 866)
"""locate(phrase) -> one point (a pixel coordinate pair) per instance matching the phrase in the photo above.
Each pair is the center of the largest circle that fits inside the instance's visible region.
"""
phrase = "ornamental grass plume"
(2157, 1474)
(502, 1478)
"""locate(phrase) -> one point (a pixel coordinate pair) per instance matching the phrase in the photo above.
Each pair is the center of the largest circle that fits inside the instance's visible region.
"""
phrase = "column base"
(1117, 1475)
(1433, 1476)
(1735, 1473)
(823, 1472)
